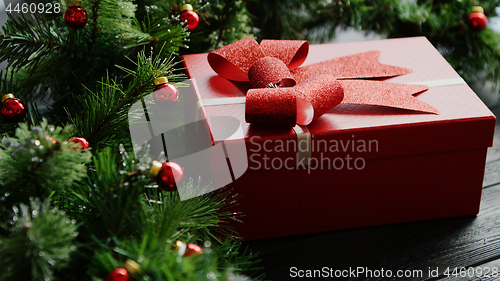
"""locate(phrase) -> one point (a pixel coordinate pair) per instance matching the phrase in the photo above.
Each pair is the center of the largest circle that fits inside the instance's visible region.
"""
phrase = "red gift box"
(369, 165)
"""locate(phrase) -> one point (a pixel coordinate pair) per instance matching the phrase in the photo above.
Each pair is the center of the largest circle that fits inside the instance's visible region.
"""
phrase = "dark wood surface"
(469, 242)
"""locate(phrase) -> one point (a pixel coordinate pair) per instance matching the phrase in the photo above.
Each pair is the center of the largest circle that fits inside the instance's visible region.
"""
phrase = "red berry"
(166, 95)
(13, 110)
(119, 274)
(478, 21)
(169, 174)
(75, 17)
(192, 19)
(193, 250)
(82, 141)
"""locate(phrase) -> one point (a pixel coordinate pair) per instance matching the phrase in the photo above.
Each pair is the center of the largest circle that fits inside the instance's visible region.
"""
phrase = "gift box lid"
(365, 131)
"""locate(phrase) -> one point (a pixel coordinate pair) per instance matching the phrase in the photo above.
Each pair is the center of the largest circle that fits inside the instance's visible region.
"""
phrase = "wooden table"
(416, 249)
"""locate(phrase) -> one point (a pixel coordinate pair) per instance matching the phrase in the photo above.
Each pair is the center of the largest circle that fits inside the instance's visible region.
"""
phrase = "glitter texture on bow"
(303, 94)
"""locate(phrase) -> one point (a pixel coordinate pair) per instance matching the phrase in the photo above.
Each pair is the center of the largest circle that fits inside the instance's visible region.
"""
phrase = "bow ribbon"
(285, 94)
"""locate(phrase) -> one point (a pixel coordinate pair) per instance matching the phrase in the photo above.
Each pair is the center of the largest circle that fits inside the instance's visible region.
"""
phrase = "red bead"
(51, 139)
(192, 19)
(193, 250)
(166, 95)
(82, 141)
(13, 110)
(169, 174)
(119, 274)
(75, 17)
(478, 21)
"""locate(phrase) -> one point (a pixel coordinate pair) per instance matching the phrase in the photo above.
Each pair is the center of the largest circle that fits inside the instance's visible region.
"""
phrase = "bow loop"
(301, 104)
(272, 106)
(292, 52)
(235, 60)
(306, 93)
(269, 70)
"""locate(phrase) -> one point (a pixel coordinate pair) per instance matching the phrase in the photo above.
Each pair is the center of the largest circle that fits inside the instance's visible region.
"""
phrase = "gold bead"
(131, 266)
(180, 247)
(160, 80)
(155, 168)
(477, 9)
(73, 3)
(186, 7)
(7, 96)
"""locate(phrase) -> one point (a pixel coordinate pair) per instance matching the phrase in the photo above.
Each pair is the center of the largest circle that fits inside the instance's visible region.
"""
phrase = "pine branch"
(170, 37)
(221, 22)
(39, 161)
(159, 260)
(10, 86)
(107, 109)
(29, 39)
(165, 219)
(113, 194)
(114, 25)
(42, 55)
(94, 8)
(40, 242)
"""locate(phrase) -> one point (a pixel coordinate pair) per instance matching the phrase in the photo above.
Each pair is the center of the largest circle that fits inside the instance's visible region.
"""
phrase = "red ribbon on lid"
(285, 94)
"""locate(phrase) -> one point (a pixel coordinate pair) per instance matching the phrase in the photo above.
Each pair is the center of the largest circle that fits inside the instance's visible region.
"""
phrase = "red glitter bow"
(286, 95)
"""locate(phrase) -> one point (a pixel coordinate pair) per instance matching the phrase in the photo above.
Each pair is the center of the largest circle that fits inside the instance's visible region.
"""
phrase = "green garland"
(73, 214)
